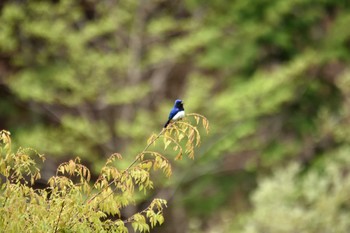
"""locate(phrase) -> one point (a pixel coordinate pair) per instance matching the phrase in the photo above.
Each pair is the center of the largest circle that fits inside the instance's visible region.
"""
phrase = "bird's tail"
(167, 123)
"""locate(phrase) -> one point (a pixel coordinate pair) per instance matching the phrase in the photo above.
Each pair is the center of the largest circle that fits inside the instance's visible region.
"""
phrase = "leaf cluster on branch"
(72, 203)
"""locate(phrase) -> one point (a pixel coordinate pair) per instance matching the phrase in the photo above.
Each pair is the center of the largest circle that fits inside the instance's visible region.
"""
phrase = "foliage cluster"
(71, 203)
(293, 200)
(310, 197)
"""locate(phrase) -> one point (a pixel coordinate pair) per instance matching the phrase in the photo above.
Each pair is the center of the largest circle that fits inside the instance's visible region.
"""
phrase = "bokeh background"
(89, 78)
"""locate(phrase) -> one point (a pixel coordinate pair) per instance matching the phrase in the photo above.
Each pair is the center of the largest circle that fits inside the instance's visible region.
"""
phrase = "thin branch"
(115, 188)
(130, 219)
(59, 217)
(132, 164)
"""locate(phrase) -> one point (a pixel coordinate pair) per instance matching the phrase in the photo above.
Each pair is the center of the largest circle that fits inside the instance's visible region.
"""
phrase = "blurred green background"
(89, 78)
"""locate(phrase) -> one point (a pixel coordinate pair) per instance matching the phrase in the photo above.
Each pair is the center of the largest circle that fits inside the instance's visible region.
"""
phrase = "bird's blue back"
(173, 112)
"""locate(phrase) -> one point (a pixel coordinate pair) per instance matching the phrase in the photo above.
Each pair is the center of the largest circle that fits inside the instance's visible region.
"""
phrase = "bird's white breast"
(179, 115)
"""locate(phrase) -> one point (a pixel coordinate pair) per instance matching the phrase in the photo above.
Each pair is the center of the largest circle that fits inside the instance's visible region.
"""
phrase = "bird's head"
(178, 103)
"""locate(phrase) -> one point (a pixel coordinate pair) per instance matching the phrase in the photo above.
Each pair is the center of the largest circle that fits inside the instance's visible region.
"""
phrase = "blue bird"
(176, 113)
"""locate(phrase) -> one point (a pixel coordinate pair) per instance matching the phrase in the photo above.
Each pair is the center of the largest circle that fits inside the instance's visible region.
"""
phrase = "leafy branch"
(69, 204)
(138, 157)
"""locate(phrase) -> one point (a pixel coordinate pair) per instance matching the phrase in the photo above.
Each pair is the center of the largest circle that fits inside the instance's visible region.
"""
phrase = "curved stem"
(59, 217)
(132, 164)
